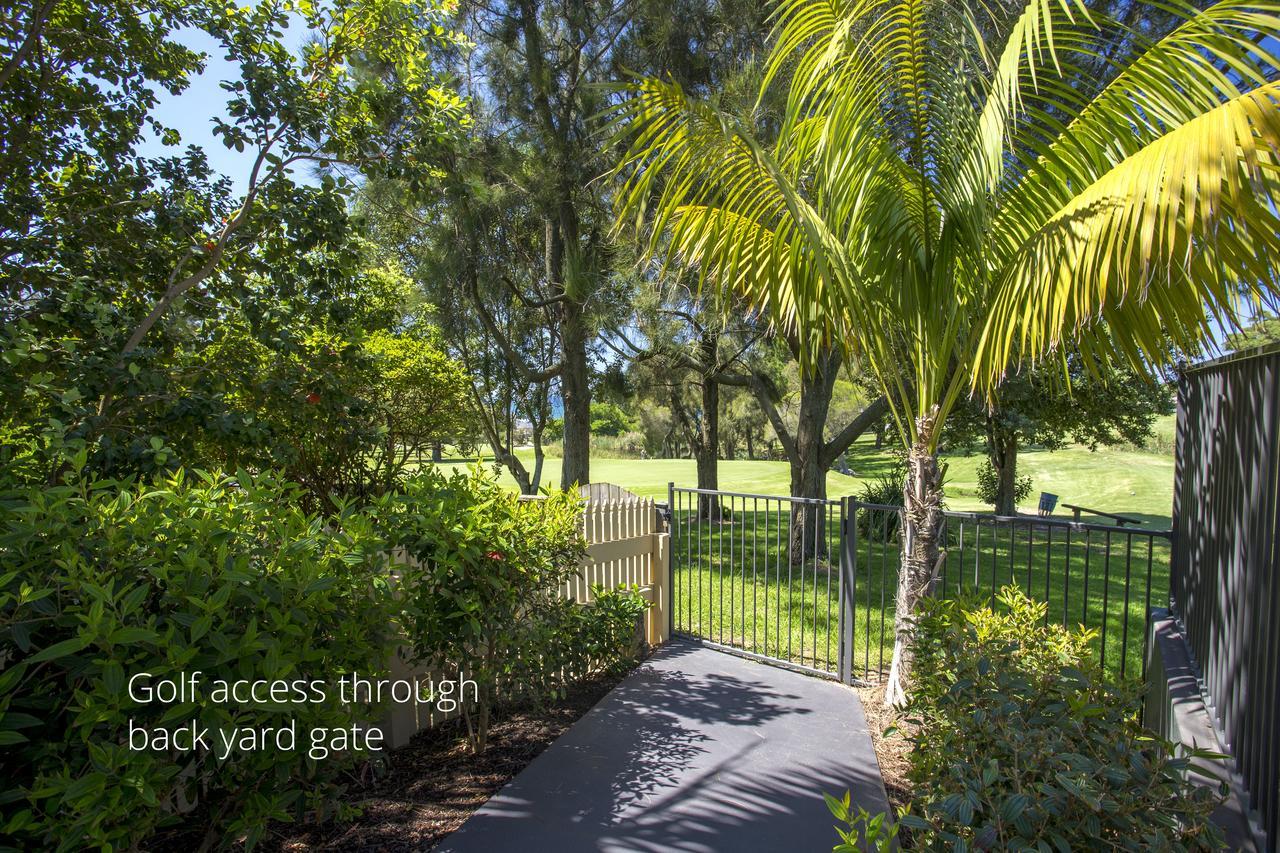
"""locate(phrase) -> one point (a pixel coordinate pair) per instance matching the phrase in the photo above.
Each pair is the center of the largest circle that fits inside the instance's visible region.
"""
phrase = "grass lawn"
(1123, 481)
(736, 583)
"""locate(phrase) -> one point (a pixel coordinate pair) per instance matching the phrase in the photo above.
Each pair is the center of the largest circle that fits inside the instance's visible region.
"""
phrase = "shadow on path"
(696, 750)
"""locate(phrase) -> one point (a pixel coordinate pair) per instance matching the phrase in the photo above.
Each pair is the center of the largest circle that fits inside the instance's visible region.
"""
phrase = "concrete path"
(697, 750)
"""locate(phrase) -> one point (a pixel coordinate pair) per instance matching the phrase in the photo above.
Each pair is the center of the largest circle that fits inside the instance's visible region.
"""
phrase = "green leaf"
(58, 650)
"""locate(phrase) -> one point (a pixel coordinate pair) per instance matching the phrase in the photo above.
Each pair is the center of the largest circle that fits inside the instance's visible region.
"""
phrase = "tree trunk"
(808, 465)
(706, 452)
(751, 446)
(1002, 450)
(575, 395)
(519, 473)
(539, 457)
(808, 534)
(437, 451)
(921, 554)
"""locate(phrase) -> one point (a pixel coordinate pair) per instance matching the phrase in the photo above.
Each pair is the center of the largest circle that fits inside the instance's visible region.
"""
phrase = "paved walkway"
(697, 750)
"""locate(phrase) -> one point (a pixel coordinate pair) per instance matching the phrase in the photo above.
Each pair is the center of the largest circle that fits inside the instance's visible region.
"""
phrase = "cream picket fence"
(625, 547)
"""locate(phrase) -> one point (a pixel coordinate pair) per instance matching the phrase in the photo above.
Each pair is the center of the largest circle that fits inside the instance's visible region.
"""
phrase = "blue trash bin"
(1047, 503)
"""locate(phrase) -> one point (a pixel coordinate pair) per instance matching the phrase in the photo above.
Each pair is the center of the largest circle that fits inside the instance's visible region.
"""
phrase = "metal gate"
(810, 584)
(763, 576)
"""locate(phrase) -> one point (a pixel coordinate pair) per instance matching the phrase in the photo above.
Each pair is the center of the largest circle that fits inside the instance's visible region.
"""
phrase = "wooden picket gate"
(625, 547)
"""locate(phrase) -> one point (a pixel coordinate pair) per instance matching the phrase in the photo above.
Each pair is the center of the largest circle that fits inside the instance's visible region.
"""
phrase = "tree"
(610, 419)
(473, 244)
(1037, 407)
(114, 266)
(343, 399)
(811, 447)
(420, 395)
(1262, 329)
(956, 186)
(695, 343)
(535, 71)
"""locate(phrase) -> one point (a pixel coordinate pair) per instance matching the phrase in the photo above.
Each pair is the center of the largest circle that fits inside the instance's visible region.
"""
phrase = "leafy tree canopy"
(118, 269)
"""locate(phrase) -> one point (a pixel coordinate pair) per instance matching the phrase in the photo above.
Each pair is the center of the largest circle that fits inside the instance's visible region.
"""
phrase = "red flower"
(495, 555)
(210, 246)
(313, 398)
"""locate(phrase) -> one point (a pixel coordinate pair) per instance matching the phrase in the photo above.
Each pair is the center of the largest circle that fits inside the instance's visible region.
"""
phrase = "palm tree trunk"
(921, 552)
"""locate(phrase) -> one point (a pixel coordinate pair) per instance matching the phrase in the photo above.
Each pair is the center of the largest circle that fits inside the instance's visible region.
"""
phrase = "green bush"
(882, 524)
(866, 831)
(603, 636)
(342, 412)
(228, 577)
(481, 596)
(101, 581)
(1021, 743)
(989, 485)
(610, 419)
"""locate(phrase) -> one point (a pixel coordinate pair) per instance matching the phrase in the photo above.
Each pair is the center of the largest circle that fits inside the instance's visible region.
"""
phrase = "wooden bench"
(1121, 520)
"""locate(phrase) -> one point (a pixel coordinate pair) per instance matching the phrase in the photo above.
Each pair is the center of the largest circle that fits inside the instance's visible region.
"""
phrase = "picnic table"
(1121, 520)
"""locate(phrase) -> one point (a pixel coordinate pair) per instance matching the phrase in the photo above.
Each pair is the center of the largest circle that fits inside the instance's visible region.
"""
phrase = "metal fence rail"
(812, 583)
(1226, 519)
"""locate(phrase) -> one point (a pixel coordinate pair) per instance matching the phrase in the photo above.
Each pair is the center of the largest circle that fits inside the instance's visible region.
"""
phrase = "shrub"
(1021, 743)
(885, 489)
(602, 636)
(628, 445)
(342, 414)
(481, 594)
(866, 831)
(989, 485)
(610, 419)
(101, 581)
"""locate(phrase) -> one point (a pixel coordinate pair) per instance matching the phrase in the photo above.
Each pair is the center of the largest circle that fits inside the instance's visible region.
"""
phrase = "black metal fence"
(1101, 577)
(758, 574)
(1226, 522)
(811, 583)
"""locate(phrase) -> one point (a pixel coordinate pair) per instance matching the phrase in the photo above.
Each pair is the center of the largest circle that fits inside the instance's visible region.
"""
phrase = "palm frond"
(1155, 248)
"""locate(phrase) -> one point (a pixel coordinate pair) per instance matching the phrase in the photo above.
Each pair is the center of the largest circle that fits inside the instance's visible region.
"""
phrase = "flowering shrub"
(481, 591)
(227, 576)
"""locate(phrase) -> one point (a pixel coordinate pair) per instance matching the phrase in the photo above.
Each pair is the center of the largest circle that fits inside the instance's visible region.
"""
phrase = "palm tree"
(942, 210)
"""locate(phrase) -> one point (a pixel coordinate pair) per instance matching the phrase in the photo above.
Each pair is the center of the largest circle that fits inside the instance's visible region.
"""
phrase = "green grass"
(734, 580)
(1124, 481)
(735, 583)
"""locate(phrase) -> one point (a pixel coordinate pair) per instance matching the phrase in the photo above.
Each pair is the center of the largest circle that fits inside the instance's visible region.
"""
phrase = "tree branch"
(39, 17)
(527, 372)
(855, 428)
(765, 396)
(531, 303)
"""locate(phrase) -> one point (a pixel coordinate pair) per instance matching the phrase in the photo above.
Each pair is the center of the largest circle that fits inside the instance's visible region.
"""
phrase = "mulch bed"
(428, 788)
(433, 784)
(892, 752)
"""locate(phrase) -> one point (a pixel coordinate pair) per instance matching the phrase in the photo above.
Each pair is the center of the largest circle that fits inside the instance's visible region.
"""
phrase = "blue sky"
(191, 113)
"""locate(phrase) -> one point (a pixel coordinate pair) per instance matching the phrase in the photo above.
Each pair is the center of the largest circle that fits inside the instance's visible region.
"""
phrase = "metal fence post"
(848, 575)
(670, 567)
